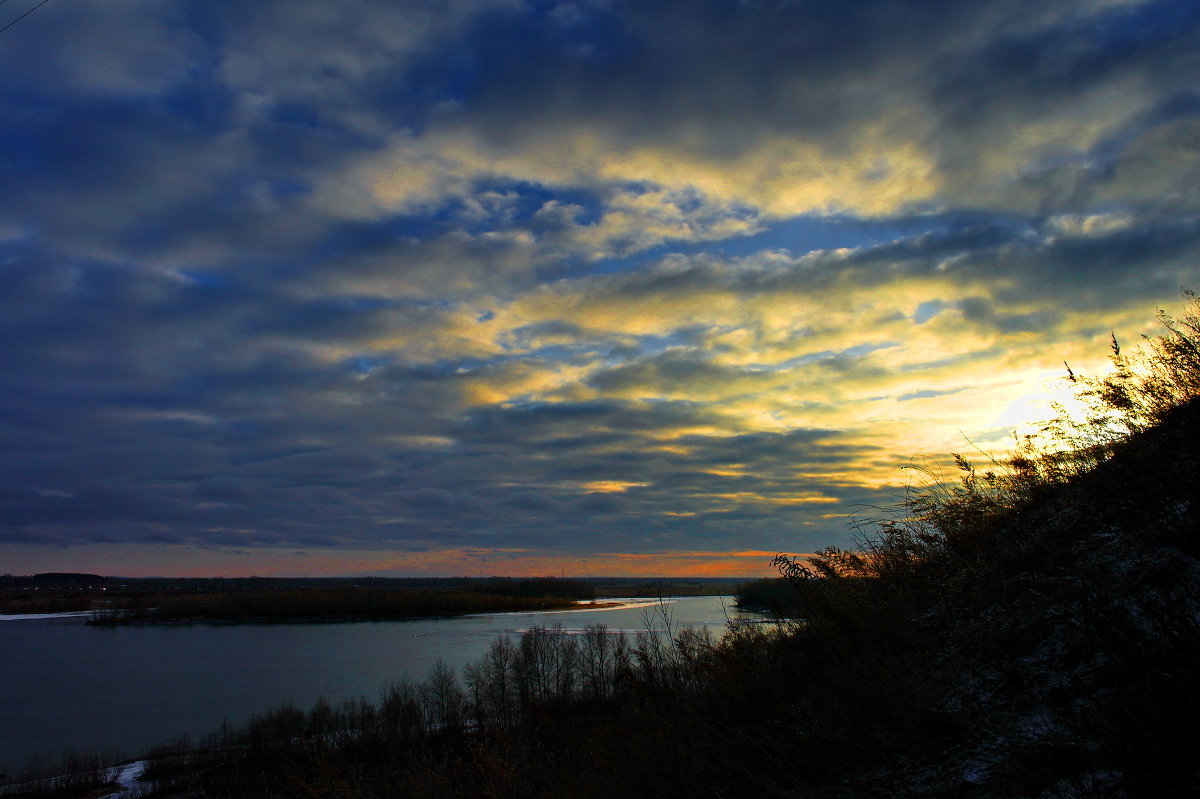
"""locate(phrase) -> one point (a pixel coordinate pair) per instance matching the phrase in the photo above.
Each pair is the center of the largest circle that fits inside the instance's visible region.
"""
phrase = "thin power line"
(27, 13)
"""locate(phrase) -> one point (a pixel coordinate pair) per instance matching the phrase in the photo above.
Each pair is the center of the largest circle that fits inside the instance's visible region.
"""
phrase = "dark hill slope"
(1019, 635)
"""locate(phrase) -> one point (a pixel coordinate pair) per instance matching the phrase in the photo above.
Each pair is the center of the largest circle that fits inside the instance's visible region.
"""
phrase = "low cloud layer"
(446, 288)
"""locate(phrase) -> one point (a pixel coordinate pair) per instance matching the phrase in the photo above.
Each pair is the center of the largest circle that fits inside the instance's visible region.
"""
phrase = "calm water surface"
(64, 684)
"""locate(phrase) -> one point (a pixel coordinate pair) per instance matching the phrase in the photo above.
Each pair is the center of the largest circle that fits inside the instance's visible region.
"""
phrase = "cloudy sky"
(513, 286)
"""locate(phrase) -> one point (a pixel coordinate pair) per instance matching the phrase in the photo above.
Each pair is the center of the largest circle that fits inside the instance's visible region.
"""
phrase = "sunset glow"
(583, 287)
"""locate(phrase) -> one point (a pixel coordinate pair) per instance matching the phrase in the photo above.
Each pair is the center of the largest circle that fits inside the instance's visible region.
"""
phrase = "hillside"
(1021, 637)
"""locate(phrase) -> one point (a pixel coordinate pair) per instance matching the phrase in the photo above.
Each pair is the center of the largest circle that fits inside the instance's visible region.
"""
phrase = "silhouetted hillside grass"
(1046, 606)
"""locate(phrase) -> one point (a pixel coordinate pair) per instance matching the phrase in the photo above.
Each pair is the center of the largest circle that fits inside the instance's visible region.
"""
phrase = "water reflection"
(68, 685)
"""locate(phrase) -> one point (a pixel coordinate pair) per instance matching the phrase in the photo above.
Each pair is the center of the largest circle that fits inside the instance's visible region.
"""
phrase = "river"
(119, 690)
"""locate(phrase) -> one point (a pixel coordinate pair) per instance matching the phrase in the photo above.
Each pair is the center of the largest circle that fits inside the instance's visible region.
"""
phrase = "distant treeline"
(533, 587)
(59, 592)
(511, 586)
(320, 604)
(54, 593)
(632, 586)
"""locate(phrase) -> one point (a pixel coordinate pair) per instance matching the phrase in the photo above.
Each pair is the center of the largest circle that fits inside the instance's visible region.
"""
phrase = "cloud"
(511, 282)
(869, 111)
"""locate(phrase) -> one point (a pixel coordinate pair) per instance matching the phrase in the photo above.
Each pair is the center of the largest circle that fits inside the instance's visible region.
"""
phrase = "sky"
(400, 287)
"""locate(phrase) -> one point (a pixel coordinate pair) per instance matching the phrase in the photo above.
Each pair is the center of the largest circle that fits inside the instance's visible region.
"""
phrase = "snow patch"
(28, 616)
(127, 778)
(582, 609)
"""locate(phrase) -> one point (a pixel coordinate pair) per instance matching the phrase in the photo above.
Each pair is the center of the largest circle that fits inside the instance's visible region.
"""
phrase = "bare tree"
(597, 661)
(402, 715)
(492, 684)
(443, 698)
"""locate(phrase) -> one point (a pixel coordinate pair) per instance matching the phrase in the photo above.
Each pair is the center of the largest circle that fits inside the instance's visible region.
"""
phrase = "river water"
(120, 690)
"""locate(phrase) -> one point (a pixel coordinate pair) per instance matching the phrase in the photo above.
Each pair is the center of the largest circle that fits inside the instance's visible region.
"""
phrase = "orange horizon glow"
(124, 561)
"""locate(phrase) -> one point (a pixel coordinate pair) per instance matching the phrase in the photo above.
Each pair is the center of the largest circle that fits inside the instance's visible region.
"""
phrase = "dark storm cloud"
(1027, 73)
(652, 69)
(1022, 257)
(579, 422)
(823, 70)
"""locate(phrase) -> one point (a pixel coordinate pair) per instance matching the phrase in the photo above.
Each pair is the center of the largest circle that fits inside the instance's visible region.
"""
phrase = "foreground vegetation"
(1031, 629)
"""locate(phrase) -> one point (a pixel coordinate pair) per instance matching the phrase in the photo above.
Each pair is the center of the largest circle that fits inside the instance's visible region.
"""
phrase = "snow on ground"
(127, 778)
(601, 604)
(26, 616)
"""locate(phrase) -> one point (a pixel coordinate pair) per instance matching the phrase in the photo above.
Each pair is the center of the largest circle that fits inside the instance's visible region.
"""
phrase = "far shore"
(579, 605)
(298, 606)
